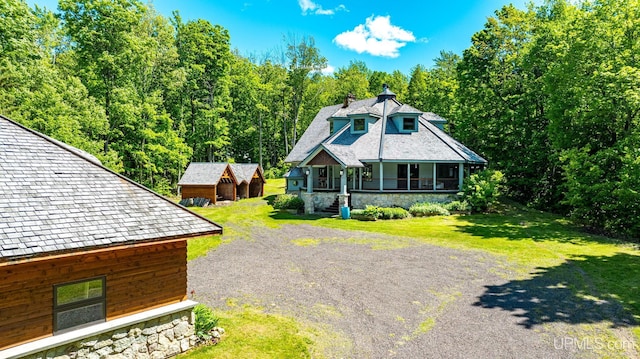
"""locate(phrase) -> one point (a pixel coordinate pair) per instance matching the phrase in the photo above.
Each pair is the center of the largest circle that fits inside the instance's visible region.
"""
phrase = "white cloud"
(310, 7)
(328, 70)
(377, 36)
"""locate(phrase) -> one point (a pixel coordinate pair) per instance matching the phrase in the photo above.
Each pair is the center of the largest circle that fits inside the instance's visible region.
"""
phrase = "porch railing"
(390, 184)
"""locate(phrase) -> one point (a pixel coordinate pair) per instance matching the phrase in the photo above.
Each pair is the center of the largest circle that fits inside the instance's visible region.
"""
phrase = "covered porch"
(388, 177)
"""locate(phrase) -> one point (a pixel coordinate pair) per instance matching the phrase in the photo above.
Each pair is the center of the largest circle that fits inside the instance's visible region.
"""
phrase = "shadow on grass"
(525, 224)
(586, 289)
(281, 215)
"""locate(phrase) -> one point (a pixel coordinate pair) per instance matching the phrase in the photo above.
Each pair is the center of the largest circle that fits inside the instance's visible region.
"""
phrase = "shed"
(87, 253)
(212, 180)
(250, 179)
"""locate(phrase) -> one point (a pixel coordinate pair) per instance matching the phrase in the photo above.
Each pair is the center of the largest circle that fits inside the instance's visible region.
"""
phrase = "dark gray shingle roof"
(203, 173)
(244, 171)
(53, 199)
(429, 143)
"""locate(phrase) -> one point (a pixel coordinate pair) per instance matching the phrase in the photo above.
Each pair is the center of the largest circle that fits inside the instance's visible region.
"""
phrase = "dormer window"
(359, 125)
(409, 124)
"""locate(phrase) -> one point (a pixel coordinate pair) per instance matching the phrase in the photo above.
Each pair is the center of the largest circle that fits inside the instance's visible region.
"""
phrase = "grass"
(250, 333)
(541, 252)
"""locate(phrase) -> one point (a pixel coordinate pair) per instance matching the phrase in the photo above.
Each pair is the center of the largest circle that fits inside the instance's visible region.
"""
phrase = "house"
(377, 151)
(215, 181)
(91, 263)
(250, 179)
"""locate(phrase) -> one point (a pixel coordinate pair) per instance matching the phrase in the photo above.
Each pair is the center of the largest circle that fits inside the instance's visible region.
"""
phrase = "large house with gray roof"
(377, 151)
(91, 263)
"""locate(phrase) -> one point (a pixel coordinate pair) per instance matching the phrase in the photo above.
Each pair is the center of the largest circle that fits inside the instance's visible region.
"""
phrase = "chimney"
(348, 100)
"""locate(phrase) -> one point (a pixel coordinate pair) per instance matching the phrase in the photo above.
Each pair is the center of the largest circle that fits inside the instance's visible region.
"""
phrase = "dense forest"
(549, 95)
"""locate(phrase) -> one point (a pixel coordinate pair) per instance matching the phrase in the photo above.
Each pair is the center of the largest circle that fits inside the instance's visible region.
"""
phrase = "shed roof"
(203, 173)
(244, 171)
(54, 199)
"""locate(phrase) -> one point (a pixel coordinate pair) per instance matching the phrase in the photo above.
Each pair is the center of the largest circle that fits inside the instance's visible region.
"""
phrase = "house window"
(358, 125)
(367, 173)
(78, 304)
(409, 124)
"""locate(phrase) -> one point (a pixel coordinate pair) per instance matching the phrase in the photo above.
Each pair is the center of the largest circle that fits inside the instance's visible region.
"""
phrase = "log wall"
(138, 277)
(199, 192)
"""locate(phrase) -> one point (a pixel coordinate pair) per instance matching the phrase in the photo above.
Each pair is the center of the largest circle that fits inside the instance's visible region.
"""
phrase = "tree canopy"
(549, 95)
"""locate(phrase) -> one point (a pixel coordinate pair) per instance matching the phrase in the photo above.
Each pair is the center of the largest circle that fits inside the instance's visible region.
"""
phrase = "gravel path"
(399, 299)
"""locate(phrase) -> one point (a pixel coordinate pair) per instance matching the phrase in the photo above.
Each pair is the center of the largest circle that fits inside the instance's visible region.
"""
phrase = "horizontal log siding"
(138, 278)
(199, 192)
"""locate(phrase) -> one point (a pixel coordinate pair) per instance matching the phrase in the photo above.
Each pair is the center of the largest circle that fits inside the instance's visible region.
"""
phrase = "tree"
(206, 57)
(304, 57)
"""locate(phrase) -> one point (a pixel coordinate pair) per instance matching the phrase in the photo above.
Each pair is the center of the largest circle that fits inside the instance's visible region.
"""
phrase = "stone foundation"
(157, 338)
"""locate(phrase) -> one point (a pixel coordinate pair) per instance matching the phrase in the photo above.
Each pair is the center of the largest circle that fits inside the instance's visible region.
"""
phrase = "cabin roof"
(57, 199)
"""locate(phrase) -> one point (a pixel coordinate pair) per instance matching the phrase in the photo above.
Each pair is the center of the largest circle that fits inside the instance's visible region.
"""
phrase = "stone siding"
(157, 338)
(319, 200)
(404, 200)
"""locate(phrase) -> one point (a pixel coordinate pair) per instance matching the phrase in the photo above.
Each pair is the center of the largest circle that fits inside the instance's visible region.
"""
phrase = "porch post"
(343, 180)
(408, 177)
(353, 179)
(360, 178)
(381, 176)
(434, 176)
(309, 179)
(460, 175)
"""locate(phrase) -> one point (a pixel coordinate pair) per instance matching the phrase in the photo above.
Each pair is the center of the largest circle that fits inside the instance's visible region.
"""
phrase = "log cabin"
(87, 255)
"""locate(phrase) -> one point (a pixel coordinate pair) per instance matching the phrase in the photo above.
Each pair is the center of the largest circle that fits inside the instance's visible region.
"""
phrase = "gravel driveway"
(383, 297)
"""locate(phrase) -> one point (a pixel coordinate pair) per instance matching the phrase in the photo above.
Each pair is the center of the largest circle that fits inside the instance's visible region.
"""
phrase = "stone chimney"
(348, 100)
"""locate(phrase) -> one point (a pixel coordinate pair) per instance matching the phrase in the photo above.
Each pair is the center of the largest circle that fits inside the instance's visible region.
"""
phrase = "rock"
(181, 330)
(169, 334)
(122, 344)
(152, 339)
(184, 344)
(119, 335)
(102, 344)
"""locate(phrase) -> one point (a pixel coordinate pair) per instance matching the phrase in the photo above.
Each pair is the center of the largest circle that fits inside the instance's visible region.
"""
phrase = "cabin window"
(77, 304)
(358, 125)
(409, 124)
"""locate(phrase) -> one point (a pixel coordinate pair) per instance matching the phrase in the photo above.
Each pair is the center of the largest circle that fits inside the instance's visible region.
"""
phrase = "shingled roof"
(244, 171)
(383, 141)
(203, 173)
(54, 199)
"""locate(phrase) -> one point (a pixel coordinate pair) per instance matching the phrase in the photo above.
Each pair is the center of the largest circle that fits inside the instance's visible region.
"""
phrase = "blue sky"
(387, 36)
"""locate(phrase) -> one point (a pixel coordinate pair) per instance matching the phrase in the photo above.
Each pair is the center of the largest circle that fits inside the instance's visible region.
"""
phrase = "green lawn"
(536, 248)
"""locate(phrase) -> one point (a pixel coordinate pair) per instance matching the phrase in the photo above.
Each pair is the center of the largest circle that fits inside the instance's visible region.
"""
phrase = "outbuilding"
(91, 263)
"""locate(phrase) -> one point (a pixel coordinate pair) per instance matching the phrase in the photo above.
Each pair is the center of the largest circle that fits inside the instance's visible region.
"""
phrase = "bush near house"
(428, 209)
(375, 212)
(483, 189)
(288, 201)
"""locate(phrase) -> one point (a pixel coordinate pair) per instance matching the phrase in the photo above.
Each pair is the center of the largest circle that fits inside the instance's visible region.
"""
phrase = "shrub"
(372, 211)
(288, 201)
(428, 209)
(385, 212)
(458, 206)
(205, 321)
(483, 189)
(393, 213)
